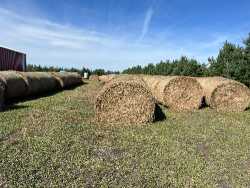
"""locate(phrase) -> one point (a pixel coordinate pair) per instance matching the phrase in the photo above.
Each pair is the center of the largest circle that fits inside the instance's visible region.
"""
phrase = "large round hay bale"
(179, 93)
(94, 77)
(39, 82)
(126, 100)
(107, 78)
(67, 79)
(14, 84)
(224, 94)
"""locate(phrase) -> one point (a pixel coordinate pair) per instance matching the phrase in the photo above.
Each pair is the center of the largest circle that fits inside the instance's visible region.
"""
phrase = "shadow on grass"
(10, 107)
(159, 114)
(12, 104)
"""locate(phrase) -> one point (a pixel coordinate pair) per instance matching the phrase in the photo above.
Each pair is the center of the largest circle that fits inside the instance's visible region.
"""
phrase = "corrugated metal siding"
(12, 60)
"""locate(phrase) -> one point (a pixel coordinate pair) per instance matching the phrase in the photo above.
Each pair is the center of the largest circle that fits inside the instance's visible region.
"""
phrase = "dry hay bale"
(67, 79)
(14, 84)
(94, 77)
(179, 93)
(39, 82)
(108, 77)
(125, 99)
(224, 94)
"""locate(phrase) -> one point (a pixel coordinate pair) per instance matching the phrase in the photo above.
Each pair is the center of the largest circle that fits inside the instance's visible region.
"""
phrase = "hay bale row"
(15, 84)
(178, 93)
(225, 95)
(125, 99)
(67, 79)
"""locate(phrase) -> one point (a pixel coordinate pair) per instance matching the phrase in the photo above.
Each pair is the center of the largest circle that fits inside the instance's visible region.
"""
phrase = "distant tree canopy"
(183, 66)
(39, 68)
(232, 62)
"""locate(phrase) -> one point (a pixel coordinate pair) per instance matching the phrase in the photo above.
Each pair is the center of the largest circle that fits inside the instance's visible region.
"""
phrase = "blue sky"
(116, 34)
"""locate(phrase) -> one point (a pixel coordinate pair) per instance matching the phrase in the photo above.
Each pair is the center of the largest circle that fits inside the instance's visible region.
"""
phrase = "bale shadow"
(203, 103)
(159, 114)
(12, 106)
(12, 103)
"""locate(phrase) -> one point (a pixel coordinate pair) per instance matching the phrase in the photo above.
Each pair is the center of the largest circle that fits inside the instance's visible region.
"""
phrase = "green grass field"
(53, 141)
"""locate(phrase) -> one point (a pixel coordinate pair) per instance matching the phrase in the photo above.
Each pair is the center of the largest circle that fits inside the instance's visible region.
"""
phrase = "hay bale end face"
(39, 82)
(225, 95)
(13, 83)
(125, 100)
(67, 79)
(179, 93)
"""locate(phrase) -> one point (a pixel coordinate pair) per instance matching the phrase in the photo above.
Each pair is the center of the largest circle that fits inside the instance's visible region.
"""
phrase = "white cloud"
(50, 43)
(146, 23)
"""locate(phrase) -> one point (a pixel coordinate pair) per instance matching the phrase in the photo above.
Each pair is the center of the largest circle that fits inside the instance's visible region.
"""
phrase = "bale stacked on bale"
(179, 93)
(108, 77)
(67, 79)
(13, 83)
(225, 95)
(39, 82)
(94, 77)
(125, 99)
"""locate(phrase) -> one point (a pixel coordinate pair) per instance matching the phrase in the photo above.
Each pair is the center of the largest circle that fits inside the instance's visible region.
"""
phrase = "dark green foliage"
(183, 66)
(39, 68)
(232, 62)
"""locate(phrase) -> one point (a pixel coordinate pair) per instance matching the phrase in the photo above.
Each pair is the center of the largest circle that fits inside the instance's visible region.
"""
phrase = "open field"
(54, 141)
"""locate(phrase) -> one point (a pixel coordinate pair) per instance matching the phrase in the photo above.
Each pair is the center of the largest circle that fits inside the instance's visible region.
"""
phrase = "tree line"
(233, 61)
(39, 68)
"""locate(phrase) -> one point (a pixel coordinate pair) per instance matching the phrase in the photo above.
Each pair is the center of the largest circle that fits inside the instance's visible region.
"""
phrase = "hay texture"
(67, 79)
(13, 83)
(224, 94)
(108, 77)
(94, 77)
(178, 93)
(126, 100)
(39, 82)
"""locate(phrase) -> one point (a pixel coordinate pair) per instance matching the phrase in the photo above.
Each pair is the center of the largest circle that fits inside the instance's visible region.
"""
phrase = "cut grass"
(53, 141)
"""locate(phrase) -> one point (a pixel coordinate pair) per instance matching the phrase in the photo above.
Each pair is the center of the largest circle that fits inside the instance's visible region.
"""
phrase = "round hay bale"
(13, 83)
(179, 93)
(224, 94)
(67, 79)
(126, 100)
(39, 82)
(94, 77)
(107, 78)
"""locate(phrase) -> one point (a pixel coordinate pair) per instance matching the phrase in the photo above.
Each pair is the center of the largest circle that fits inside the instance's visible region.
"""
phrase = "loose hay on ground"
(39, 82)
(125, 99)
(224, 94)
(14, 84)
(107, 78)
(178, 93)
(94, 77)
(67, 79)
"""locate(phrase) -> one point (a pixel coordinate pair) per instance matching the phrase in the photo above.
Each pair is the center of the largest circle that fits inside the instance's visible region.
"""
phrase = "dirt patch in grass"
(3, 182)
(108, 153)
